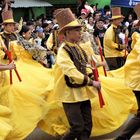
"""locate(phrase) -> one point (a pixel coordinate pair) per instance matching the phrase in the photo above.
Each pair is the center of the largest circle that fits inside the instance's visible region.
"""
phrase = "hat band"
(72, 24)
(9, 21)
(115, 17)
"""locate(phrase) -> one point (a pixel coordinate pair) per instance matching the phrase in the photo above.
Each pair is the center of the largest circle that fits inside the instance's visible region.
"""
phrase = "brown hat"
(116, 13)
(66, 20)
(7, 15)
(137, 11)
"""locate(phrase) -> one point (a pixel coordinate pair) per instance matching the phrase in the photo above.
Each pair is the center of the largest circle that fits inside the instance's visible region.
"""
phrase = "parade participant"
(132, 80)
(113, 48)
(71, 61)
(38, 52)
(26, 99)
(113, 90)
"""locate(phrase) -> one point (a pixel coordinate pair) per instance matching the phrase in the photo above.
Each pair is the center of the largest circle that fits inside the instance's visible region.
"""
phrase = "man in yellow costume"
(113, 48)
(9, 25)
(71, 61)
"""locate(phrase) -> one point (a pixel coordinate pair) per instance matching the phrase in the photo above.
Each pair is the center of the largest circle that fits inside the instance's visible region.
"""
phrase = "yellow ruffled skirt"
(119, 103)
(26, 99)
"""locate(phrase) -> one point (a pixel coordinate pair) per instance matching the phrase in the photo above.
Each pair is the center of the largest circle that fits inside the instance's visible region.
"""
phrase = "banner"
(100, 3)
(124, 3)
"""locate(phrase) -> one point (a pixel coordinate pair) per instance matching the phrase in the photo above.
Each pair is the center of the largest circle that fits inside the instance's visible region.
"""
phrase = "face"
(97, 16)
(117, 21)
(32, 27)
(108, 13)
(74, 35)
(130, 17)
(100, 24)
(10, 27)
(48, 28)
(90, 20)
(41, 34)
(27, 35)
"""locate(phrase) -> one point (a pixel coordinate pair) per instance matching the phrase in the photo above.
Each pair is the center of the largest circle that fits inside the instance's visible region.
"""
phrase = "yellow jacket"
(65, 66)
(110, 47)
(132, 66)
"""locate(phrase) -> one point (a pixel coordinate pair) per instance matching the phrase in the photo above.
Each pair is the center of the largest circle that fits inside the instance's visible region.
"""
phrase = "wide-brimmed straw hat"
(66, 20)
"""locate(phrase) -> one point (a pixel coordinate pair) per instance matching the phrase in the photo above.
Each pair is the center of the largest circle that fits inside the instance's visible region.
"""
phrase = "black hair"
(29, 23)
(45, 25)
(96, 12)
(24, 29)
(102, 19)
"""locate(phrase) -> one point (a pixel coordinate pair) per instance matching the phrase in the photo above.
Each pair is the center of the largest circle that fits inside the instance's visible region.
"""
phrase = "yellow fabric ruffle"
(119, 101)
(25, 99)
(5, 127)
(33, 100)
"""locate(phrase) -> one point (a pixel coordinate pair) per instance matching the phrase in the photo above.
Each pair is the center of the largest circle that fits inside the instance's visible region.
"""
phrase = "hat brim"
(62, 30)
(9, 21)
(117, 17)
(72, 25)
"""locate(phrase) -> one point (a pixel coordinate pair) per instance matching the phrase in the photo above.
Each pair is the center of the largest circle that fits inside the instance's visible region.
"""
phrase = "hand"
(103, 63)
(96, 84)
(11, 66)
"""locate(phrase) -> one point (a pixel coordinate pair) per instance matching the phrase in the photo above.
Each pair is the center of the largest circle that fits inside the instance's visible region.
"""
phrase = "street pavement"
(40, 135)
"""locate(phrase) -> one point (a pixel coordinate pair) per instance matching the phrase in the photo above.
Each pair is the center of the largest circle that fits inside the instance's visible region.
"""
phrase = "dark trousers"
(134, 123)
(80, 120)
(115, 62)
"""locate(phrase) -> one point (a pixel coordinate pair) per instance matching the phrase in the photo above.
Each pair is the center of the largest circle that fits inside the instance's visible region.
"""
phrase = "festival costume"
(25, 99)
(35, 87)
(119, 101)
(113, 49)
(132, 76)
(27, 95)
(71, 61)
(5, 112)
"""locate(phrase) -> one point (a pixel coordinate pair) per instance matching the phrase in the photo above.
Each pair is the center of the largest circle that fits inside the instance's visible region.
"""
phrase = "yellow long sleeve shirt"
(65, 66)
(110, 47)
(132, 66)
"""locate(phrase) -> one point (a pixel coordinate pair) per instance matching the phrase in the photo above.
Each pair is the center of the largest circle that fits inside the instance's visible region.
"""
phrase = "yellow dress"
(5, 112)
(119, 103)
(5, 127)
(25, 99)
